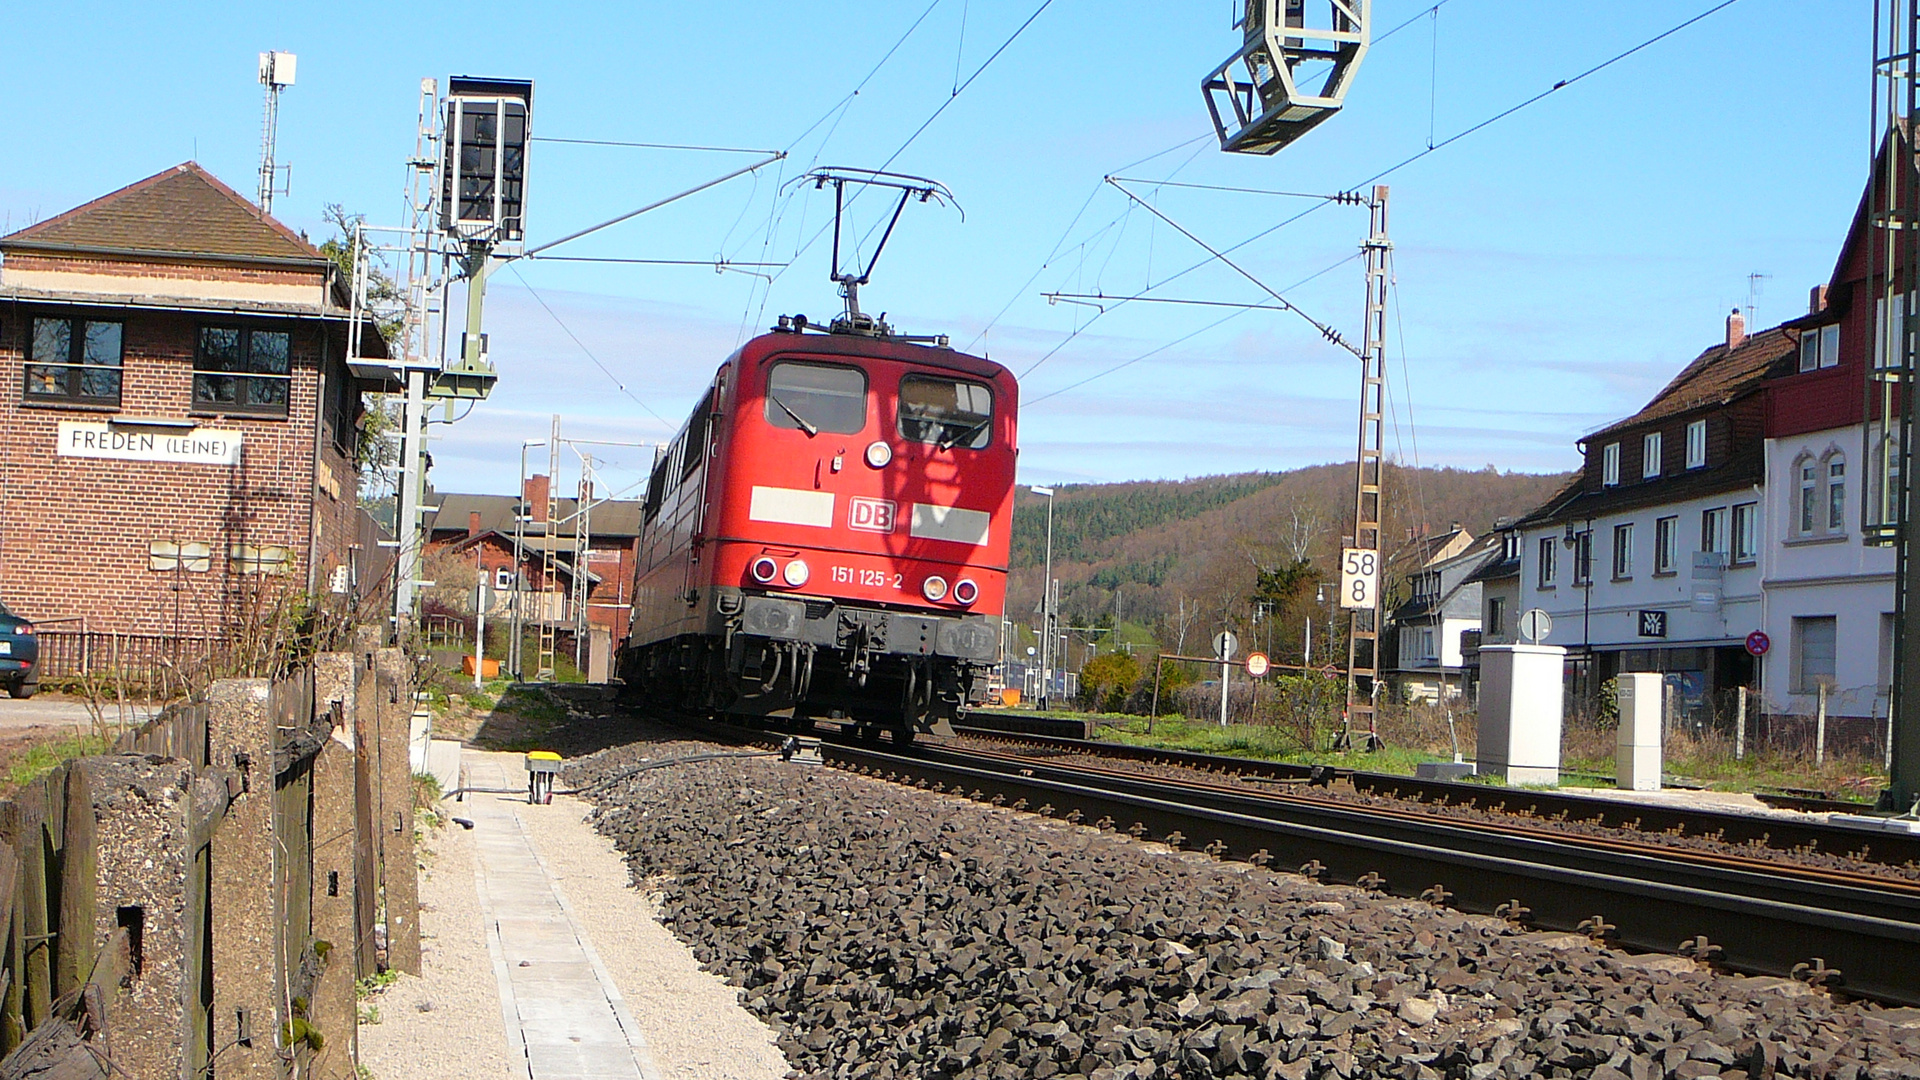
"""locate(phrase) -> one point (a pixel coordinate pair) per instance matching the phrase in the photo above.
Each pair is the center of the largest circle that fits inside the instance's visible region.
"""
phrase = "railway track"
(1752, 915)
(1731, 827)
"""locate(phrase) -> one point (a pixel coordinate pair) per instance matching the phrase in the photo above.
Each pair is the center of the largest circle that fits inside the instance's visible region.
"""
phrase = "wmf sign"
(1653, 624)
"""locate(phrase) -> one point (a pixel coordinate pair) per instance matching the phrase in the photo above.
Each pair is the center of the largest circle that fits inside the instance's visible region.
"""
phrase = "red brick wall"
(74, 532)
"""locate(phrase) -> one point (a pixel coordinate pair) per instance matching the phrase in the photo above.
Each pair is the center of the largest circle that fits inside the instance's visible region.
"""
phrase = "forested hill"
(1159, 544)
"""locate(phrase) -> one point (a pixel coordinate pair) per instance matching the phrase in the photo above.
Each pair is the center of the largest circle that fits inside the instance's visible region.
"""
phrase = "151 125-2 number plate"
(870, 579)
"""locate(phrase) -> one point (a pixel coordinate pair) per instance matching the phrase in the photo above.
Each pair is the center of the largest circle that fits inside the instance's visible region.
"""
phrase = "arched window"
(1836, 492)
(1809, 471)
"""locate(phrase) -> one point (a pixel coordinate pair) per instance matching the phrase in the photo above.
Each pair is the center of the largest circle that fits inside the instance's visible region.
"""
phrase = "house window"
(1836, 494)
(1809, 496)
(253, 559)
(1883, 450)
(1426, 642)
(503, 578)
(1610, 464)
(1746, 532)
(1583, 558)
(1650, 456)
(1549, 556)
(1713, 529)
(75, 360)
(1665, 535)
(1813, 652)
(1697, 445)
(1623, 551)
(242, 370)
(1820, 346)
(1496, 616)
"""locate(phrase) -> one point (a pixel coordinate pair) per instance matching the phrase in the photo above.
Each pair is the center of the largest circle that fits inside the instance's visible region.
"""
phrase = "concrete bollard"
(333, 1009)
(1520, 712)
(240, 737)
(1636, 763)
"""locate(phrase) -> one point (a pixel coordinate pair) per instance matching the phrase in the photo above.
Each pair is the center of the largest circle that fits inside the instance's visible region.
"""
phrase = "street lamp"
(1046, 607)
(519, 558)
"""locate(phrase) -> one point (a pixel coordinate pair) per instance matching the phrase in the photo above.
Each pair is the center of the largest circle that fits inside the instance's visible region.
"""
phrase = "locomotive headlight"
(934, 587)
(879, 453)
(764, 570)
(796, 573)
(965, 591)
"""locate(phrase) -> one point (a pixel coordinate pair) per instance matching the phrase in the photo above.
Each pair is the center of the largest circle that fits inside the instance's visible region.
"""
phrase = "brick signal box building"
(180, 422)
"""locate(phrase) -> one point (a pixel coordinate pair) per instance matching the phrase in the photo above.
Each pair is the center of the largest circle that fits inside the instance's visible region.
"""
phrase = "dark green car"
(19, 654)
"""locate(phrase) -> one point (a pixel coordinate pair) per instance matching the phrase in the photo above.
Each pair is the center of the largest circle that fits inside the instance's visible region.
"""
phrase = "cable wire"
(583, 346)
(1384, 173)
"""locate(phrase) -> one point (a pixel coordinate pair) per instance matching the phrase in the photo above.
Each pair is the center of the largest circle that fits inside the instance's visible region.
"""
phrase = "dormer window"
(1697, 445)
(1650, 456)
(1610, 464)
(1820, 346)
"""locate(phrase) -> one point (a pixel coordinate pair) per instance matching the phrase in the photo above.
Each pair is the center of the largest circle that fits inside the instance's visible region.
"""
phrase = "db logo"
(871, 515)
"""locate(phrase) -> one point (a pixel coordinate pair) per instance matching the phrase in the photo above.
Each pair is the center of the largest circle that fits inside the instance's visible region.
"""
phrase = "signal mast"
(1286, 79)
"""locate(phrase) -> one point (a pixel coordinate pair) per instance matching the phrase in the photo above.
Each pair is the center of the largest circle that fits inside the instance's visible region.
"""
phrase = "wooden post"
(1740, 728)
(1820, 731)
(334, 878)
(35, 973)
(73, 947)
(1154, 713)
(244, 910)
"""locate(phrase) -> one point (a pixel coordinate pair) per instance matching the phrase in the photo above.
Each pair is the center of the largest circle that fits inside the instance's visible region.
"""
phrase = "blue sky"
(1551, 271)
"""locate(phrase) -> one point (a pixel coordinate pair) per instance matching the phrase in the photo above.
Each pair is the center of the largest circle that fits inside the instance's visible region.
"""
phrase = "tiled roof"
(1714, 377)
(618, 517)
(182, 212)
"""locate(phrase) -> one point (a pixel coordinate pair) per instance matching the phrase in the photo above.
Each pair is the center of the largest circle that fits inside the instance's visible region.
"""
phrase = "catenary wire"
(649, 145)
(1384, 173)
(1030, 402)
(583, 346)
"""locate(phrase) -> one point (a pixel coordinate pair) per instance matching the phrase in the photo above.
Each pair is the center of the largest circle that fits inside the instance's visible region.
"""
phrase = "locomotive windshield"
(817, 397)
(947, 412)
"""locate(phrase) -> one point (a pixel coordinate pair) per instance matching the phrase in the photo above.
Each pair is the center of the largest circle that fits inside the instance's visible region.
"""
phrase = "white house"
(1649, 559)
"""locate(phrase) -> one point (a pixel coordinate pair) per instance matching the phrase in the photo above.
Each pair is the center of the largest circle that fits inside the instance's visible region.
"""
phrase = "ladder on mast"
(1363, 635)
(549, 618)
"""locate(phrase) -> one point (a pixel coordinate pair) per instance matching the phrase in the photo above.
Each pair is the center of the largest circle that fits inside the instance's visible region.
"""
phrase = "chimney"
(1736, 329)
(534, 498)
(1816, 299)
(473, 523)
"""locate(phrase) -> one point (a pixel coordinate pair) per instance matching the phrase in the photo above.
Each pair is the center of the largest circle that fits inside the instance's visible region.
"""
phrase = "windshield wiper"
(797, 418)
(952, 441)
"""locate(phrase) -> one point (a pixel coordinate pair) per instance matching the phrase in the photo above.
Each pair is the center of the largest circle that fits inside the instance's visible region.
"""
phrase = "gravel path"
(451, 1013)
(886, 932)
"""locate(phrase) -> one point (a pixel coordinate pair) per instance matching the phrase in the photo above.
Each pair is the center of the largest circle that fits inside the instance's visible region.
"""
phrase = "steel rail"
(1882, 897)
(1732, 827)
(1656, 907)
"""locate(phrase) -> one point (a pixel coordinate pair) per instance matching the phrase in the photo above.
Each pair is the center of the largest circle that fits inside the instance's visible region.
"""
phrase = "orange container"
(1010, 696)
(489, 669)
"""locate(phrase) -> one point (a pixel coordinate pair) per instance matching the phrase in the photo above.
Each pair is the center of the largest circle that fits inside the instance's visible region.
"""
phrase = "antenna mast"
(276, 73)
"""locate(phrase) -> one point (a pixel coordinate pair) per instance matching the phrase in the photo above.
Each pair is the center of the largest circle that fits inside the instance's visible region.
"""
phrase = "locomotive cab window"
(947, 412)
(817, 397)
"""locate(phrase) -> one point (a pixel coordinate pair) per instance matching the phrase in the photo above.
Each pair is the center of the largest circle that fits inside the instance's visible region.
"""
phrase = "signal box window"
(817, 397)
(947, 412)
(74, 360)
(241, 370)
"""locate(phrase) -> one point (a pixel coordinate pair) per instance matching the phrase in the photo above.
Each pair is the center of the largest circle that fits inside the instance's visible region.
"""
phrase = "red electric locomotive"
(827, 536)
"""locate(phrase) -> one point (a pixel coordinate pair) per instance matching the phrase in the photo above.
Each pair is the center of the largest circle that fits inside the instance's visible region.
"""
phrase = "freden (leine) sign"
(200, 446)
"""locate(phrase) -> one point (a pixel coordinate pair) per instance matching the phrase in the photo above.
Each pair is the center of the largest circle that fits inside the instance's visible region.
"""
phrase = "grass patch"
(39, 759)
(1258, 741)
